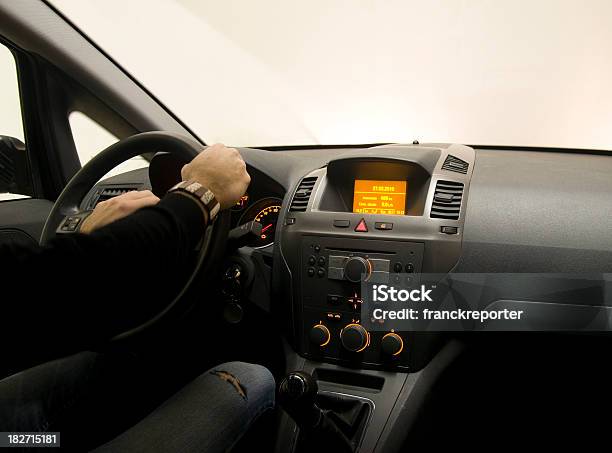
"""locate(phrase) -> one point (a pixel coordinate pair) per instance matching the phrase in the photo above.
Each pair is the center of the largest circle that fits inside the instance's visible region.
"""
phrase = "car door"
(63, 101)
(23, 211)
(41, 148)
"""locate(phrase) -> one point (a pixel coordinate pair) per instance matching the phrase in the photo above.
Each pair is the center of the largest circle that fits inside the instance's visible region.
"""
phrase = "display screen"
(379, 197)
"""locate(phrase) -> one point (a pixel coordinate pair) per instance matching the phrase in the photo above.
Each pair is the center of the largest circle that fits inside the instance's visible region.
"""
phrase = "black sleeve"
(84, 288)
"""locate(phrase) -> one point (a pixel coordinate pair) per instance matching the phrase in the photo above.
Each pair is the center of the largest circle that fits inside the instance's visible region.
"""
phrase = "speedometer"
(266, 212)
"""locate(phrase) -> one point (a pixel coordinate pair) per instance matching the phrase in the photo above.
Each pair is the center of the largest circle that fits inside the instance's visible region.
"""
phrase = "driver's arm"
(87, 287)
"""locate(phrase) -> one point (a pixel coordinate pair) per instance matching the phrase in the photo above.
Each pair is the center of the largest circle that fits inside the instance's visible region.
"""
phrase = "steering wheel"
(68, 206)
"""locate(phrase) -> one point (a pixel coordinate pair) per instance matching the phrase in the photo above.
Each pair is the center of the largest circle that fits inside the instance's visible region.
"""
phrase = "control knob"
(356, 267)
(319, 335)
(391, 344)
(355, 337)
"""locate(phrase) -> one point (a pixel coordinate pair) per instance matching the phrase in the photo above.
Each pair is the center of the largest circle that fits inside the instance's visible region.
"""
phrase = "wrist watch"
(203, 194)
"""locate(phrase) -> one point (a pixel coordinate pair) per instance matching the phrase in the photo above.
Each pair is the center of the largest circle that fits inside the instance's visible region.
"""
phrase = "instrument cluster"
(264, 211)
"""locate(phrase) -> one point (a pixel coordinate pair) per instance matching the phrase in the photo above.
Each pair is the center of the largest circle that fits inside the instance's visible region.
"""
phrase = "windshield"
(255, 73)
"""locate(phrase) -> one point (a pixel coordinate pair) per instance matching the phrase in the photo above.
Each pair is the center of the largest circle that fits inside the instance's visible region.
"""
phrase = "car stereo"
(372, 216)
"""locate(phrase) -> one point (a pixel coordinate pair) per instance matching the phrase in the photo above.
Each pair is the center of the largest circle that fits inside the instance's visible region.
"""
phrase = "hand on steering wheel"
(116, 208)
(69, 203)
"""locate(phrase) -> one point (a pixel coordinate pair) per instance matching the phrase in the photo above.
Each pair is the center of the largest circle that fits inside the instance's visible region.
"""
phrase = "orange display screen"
(379, 197)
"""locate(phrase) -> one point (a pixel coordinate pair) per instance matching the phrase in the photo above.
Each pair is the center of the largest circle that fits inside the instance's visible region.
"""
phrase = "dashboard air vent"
(109, 192)
(302, 194)
(455, 164)
(447, 200)
(7, 170)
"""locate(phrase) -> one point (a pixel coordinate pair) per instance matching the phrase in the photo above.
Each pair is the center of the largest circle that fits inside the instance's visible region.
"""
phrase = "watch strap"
(205, 195)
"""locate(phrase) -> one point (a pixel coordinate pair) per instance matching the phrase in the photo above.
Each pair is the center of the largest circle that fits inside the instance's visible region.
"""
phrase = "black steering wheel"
(68, 206)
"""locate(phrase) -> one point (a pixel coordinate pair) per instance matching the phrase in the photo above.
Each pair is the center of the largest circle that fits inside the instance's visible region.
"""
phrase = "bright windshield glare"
(488, 72)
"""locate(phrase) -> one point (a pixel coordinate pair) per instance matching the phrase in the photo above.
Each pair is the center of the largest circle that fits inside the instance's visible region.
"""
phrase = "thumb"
(184, 172)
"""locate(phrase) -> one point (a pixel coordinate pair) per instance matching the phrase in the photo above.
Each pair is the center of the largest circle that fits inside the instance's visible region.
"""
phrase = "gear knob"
(298, 386)
(297, 394)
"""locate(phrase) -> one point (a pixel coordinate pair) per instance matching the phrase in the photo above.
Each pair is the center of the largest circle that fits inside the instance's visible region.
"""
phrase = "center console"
(331, 301)
(384, 215)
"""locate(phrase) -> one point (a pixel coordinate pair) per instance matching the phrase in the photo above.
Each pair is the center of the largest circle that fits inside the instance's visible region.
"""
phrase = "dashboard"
(332, 217)
(262, 202)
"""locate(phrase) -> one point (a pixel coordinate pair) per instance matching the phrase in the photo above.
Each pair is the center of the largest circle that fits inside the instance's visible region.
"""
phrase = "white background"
(287, 72)
(10, 112)
(324, 71)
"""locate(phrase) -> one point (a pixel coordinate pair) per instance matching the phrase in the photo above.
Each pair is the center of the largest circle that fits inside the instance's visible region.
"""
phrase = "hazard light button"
(361, 227)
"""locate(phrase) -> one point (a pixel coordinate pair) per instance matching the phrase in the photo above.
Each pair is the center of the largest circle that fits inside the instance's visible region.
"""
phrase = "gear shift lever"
(297, 394)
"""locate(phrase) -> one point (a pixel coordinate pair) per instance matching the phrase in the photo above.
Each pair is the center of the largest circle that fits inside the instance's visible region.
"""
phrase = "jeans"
(210, 414)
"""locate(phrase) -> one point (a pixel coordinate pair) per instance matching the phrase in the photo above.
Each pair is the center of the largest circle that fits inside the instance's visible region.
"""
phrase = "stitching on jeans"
(233, 381)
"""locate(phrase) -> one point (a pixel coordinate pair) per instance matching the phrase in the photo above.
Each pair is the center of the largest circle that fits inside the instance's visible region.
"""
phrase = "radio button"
(383, 226)
(337, 260)
(342, 223)
(355, 302)
(311, 271)
(335, 273)
(449, 230)
(311, 260)
(379, 277)
(334, 316)
(333, 299)
(321, 261)
(379, 265)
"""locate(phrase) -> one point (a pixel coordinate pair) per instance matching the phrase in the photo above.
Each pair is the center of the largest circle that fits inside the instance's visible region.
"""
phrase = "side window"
(13, 162)
(90, 138)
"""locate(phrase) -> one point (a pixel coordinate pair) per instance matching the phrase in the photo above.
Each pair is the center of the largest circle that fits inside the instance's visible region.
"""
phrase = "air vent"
(447, 200)
(108, 193)
(302, 194)
(12, 158)
(455, 164)
(7, 170)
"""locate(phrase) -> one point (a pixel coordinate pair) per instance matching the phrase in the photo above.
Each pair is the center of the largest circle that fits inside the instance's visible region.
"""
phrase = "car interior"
(278, 281)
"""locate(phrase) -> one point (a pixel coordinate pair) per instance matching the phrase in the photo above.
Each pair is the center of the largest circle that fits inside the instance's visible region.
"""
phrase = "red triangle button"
(361, 227)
